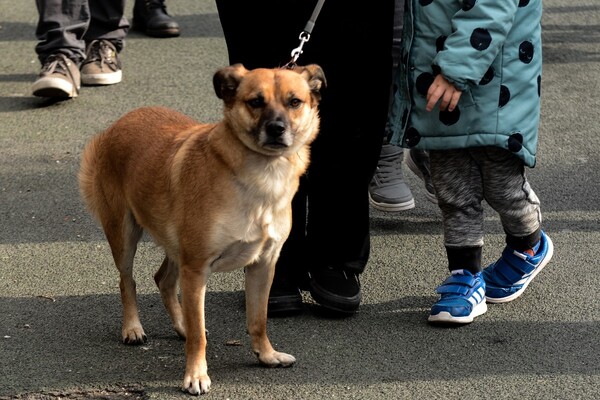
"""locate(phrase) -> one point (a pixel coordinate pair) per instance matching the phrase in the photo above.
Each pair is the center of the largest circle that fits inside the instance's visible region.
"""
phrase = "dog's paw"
(134, 336)
(196, 386)
(276, 359)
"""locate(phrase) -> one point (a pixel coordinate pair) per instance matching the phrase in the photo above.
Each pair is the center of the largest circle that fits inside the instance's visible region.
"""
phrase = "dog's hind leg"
(123, 235)
(257, 285)
(167, 280)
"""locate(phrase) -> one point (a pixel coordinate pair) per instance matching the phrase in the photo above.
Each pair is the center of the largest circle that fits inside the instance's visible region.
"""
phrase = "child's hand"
(444, 90)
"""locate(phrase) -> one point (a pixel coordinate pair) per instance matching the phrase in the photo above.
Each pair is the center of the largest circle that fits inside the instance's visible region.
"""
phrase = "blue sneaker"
(462, 299)
(507, 278)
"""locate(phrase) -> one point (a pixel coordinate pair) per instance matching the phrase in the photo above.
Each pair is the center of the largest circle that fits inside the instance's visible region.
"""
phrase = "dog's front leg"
(258, 284)
(193, 292)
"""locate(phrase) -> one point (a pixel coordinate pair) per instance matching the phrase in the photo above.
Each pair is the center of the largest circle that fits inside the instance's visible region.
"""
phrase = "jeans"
(65, 26)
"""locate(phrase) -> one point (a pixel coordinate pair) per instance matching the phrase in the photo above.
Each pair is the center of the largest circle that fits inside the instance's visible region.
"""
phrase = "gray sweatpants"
(464, 177)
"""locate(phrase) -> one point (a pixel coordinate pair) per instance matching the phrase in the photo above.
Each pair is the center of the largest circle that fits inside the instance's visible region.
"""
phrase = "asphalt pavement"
(60, 312)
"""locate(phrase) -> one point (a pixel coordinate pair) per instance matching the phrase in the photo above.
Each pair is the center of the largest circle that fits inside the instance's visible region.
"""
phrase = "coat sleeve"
(479, 31)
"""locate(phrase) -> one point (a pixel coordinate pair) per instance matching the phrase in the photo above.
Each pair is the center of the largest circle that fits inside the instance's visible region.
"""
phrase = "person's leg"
(60, 48)
(456, 177)
(60, 29)
(508, 192)
(104, 39)
(388, 190)
(458, 184)
(262, 33)
(108, 22)
(353, 45)
(291, 272)
(528, 249)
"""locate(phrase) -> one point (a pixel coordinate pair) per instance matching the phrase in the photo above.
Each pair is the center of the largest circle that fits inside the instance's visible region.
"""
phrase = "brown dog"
(215, 196)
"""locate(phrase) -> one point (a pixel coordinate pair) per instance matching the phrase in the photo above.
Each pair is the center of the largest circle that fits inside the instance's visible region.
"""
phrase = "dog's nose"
(275, 128)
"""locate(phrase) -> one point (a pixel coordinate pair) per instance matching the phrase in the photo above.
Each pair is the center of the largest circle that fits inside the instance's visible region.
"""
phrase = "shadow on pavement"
(75, 342)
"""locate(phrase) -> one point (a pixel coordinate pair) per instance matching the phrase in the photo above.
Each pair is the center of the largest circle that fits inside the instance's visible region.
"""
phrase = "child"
(481, 61)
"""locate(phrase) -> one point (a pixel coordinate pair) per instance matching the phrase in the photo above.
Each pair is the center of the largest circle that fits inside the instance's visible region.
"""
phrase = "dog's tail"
(89, 185)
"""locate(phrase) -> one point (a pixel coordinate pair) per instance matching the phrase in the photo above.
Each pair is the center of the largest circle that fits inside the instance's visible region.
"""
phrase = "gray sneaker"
(418, 162)
(58, 78)
(101, 65)
(387, 190)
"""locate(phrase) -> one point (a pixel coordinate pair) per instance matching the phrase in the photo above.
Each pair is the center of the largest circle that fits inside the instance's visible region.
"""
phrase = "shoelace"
(347, 274)
(389, 169)
(55, 64)
(352, 276)
(101, 51)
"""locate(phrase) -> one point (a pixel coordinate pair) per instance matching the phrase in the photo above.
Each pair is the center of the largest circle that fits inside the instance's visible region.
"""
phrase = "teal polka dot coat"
(489, 49)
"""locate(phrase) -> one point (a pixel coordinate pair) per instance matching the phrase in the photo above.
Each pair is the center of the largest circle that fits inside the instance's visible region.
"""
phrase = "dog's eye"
(295, 103)
(256, 103)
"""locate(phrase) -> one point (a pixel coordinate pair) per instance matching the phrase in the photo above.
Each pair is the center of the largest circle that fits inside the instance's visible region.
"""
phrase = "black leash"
(305, 35)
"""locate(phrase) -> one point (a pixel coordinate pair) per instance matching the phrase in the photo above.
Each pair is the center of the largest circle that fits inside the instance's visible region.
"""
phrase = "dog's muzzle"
(276, 135)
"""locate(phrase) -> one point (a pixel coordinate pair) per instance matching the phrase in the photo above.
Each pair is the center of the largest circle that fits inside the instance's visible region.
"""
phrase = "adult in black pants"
(329, 245)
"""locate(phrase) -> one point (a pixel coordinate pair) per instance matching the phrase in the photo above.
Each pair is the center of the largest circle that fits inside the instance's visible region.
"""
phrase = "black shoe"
(336, 289)
(284, 299)
(150, 17)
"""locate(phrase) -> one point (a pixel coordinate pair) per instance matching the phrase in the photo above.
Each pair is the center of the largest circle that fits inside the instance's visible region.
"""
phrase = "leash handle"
(305, 35)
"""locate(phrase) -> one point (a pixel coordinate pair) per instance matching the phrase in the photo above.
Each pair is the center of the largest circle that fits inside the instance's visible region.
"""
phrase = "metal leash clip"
(304, 37)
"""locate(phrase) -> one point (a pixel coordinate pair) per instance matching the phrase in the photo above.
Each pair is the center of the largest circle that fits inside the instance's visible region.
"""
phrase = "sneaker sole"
(163, 33)
(332, 302)
(447, 318)
(415, 170)
(392, 207)
(101, 79)
(158, 33)
(53, 88)
(533, 275)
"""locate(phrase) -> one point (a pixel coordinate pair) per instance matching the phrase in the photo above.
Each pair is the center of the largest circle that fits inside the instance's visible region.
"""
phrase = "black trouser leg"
(352, 43)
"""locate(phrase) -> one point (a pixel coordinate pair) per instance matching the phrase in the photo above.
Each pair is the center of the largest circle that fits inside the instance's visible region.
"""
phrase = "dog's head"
(274, 111)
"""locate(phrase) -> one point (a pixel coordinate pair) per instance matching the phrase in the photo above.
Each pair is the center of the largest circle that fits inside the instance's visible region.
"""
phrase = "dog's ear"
(226, 81)
(316, 78)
